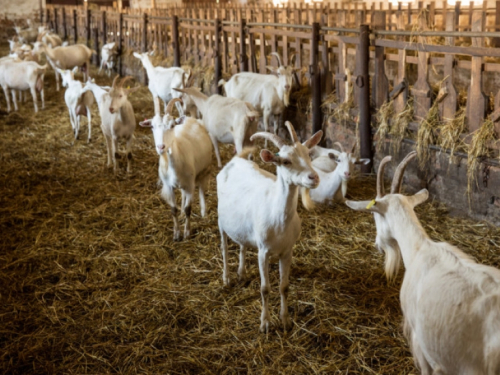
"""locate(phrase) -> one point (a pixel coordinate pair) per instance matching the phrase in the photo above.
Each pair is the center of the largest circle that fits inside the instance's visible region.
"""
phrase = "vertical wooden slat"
(477, 101)
(402, 98)
(448, 106)
(262, 40)
(340, 77)
(422, 89)
(380, 87)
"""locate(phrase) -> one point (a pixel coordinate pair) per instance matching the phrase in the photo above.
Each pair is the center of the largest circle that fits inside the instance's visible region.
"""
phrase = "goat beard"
(286, 98)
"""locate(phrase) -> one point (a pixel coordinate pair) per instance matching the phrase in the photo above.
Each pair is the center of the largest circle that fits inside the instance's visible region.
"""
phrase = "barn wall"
(19, 8)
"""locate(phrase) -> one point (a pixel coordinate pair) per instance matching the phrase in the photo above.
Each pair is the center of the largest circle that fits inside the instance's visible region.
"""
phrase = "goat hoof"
(89, 140)
(287, 323)
(177, 237)
(264, 327)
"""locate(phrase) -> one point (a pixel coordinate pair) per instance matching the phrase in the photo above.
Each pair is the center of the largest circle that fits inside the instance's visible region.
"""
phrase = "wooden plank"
(477, 101)
(380, 86)
(340, 77)
(422, 89)
(448, 106)
(262, 38)
(234, 57)
(402, 98)
(274, 44)
(458, 50)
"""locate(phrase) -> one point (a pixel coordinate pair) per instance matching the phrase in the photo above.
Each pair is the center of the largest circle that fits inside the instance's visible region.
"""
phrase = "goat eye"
(287, 162)
(338, 160)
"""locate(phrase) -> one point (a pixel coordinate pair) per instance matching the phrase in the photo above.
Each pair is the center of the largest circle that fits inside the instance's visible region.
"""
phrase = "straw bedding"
(92, 282)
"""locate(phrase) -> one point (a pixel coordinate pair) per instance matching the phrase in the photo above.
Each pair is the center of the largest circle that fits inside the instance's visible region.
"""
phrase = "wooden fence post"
(120, 42)
(75, 27)
(217, 62)
(495, 42)
(243, 51)
(448, 106)
(477, 101)
(363, 84)
(104, 28)
(145, 32)
(56, 28)
(96, 46)
(380, 82)
(65, 29)
(89, 16)
(317, 115)
(175, 41)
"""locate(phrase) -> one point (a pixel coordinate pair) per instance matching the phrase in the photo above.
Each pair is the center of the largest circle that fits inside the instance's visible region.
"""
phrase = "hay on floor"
(92, 282)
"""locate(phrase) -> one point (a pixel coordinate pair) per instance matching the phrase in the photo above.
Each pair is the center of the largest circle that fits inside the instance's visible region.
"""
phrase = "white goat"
(268, 93)
(109, 54)
(228, 120)
(77, 101)
(51, 39)
(451, 304)
(26, 35)
(162, 81)
(333, 185)
(258, 209)
(20, 76)
(185, 157)
(117, 117)
(66, 57)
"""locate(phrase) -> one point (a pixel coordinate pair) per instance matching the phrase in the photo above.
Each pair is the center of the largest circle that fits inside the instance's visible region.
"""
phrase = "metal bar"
(340, 29)
(363, 82)
(196, 20)
(251, 24)
(438, 33)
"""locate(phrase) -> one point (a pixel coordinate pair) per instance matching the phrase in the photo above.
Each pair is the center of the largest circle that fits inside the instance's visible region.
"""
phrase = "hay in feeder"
(400, 125)
(384, 115)
(426, 135)
(479, 149)
(450, 135)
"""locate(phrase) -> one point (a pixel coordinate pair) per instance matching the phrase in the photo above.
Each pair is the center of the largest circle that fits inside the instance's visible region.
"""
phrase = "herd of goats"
(450, 303)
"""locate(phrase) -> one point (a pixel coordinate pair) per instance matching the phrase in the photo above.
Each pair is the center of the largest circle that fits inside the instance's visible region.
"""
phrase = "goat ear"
(418, 198)
(332, 155)
(133, 89)
(367, 206)
(271, 68)
(268, 157)
(146, 123)
(361, 161)
(314, 140)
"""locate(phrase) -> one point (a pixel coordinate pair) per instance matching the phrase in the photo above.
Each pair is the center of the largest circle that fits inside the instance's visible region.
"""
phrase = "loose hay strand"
(450, 133)
(400, 125)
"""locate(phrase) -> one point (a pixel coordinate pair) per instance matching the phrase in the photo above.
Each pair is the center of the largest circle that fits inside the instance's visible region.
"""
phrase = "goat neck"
(199, 99)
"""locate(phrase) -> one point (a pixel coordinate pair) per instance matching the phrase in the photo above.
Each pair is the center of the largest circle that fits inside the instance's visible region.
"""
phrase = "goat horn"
(171, 103)
(354, 147)
(127, 78)
(278, 57)
(272, 137)
(293, 134)
(292, 58)
(340, 146)
(380, 176)
(400, 170)
(114, 81)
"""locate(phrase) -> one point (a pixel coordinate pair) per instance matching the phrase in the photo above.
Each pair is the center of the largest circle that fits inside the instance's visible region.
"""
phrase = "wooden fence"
(329, 50)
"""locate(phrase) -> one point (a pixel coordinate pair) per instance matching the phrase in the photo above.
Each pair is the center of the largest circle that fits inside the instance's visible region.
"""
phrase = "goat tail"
(247, 153)
(307, 202)
(222, 82)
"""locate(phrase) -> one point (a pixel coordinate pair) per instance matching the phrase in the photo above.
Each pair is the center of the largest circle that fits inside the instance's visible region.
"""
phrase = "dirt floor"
(91, 281)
